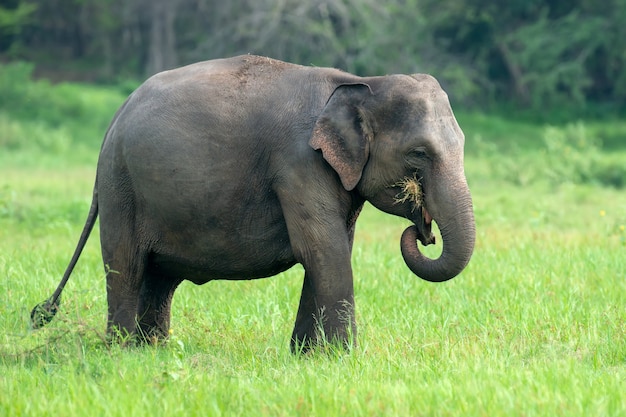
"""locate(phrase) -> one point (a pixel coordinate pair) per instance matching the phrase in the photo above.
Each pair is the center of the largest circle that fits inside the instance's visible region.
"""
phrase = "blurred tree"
(13, 16)
(162, 39)
(319, 32)
(534, 52)
(531, 52)
(607, 64)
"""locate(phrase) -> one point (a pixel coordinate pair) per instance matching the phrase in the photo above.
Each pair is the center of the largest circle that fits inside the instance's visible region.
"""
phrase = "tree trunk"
(162, 42)
(515, 72)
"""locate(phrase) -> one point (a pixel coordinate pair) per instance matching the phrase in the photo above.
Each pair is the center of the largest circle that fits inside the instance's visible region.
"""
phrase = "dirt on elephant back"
(253, 67)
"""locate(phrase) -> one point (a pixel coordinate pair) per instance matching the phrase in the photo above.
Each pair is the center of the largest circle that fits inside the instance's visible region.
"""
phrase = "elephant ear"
(342, 132)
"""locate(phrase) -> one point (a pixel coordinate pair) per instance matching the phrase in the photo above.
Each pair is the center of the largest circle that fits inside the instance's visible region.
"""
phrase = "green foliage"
(37, 115)
(534, 54)
(12, 18)
(15, 81)
(14, 15)
(34, 136)
(552, 73)
(571, 154)
(560, 55)
(574, 155)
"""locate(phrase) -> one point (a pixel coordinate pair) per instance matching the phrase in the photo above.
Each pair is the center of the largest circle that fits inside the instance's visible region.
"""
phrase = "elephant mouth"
(424, 225)
(410, 190)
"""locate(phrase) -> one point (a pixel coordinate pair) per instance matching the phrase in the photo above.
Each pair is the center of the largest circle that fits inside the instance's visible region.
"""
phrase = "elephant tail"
(45, 311)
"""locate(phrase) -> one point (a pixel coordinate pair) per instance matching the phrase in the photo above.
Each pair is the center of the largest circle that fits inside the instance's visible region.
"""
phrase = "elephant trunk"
(456, 223)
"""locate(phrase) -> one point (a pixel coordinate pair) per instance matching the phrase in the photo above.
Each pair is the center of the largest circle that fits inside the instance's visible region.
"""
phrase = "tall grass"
(535, 326)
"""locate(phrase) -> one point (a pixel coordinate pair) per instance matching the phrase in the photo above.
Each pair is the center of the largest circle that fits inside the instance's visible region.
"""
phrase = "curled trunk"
(456, 223)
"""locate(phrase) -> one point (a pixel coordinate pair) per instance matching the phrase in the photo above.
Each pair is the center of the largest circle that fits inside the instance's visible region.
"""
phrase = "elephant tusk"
(428, 219)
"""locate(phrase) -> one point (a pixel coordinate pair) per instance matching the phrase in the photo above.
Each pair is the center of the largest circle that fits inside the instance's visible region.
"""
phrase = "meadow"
(535, 326)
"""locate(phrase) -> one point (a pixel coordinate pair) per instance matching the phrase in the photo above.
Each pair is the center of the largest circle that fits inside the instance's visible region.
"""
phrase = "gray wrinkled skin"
(240, 168)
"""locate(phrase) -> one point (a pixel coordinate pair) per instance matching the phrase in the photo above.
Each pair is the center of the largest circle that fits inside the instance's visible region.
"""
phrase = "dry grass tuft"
(411, 191)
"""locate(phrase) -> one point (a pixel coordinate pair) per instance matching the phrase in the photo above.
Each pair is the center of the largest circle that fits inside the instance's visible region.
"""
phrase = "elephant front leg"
(321, 241)
(304, 329)
(321, 321)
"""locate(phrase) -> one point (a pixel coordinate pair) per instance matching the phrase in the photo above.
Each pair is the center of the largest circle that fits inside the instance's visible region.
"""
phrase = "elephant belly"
(201, 271)
(235, 253)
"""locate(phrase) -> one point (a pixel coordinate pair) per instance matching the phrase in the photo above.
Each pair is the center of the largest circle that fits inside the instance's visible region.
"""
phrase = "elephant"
(240, 168)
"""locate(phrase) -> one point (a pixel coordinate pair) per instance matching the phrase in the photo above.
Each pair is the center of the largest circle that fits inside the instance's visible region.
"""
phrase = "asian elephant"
(240, 168)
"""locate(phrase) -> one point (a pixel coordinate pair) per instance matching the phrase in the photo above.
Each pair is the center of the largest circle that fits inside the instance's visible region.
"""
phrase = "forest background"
(535, 325)
(544, 59)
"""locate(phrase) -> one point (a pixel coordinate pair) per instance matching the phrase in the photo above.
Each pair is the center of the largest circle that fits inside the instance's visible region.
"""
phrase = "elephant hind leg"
(124, 275)
(122, 321)
(154, 309)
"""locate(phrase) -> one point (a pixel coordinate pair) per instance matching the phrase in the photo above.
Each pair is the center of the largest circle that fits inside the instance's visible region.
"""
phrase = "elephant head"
(395, 141)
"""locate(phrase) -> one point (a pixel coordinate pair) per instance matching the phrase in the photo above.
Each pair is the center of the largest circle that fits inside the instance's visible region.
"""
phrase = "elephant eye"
(417, 157)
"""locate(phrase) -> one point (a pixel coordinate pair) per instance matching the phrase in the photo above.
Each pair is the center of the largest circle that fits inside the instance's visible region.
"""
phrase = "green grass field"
(535, 326)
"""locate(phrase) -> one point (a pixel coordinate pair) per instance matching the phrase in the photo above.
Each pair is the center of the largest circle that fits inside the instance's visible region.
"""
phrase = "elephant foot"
(325, 334)
(152, 336)
(138, 337)
(119, 335)
(322, 344)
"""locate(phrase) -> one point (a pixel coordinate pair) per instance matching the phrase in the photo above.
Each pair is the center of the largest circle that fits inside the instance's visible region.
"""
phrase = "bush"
(14, 83)
(33, 136)
(567, 155)
(574, 155)
(35, 114)
(25, 98)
